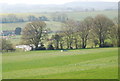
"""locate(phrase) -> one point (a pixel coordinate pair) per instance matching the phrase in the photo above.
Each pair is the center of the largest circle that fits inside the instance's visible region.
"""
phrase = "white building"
(24, 47)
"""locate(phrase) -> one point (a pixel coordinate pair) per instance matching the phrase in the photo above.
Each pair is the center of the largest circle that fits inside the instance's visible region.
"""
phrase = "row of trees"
(100, 31)
(75, 34)
(59, 17)
(13, 19)
(33, 18)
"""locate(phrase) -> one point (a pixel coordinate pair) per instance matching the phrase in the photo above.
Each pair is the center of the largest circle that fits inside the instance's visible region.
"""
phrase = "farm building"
(24, 47)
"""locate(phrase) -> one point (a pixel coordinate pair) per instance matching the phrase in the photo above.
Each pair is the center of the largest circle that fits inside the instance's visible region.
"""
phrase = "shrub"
(107, 44)
(50, 47)
(18, 31)
(41, 47)
(6, 45)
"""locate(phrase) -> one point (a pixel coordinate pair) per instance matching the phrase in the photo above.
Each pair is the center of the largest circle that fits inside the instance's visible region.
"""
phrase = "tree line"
(99, 31)
(12, 18)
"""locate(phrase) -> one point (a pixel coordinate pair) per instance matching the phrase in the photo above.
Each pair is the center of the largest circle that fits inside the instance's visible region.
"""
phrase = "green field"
(82, 15)
(98, 63)
(56, 26)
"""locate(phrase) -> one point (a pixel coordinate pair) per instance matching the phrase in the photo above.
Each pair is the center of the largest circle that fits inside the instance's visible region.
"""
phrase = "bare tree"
(76, 39)
(34, 33)
(102, 26)
(84, 30)
(56, 38)
(6, 45)
(69, 29)
(114, 32)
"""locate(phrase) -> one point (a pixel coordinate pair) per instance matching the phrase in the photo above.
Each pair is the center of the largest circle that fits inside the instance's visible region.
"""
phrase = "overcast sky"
(47, 1)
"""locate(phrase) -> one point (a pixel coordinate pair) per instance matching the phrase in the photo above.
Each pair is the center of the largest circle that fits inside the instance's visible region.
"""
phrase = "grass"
(99, 63)
(56, 26)
(82, 15)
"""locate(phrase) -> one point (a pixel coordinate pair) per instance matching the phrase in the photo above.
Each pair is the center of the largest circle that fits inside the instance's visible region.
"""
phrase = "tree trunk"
(61, 46)
(57, 45)
(83, 43)
(100, 40)
(36, 46)
(76, 45)
(70, 45)
(103, 42)
(67, 44)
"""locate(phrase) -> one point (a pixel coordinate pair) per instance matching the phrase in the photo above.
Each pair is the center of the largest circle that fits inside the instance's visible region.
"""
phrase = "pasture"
(82, 15)
(56, 26)
(97, 63)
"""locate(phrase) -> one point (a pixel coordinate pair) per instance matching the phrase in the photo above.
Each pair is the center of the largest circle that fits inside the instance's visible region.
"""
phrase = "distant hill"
(95, 5)
(71, 6)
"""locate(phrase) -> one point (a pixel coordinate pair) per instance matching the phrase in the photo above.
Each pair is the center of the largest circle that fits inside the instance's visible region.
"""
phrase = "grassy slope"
(100, 63)
(83, 15)
(56, 25)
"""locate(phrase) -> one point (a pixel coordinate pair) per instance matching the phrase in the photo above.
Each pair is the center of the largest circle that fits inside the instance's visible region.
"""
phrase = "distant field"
(99, 63)
(55, 26)
(82, 15)
(75, 15)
